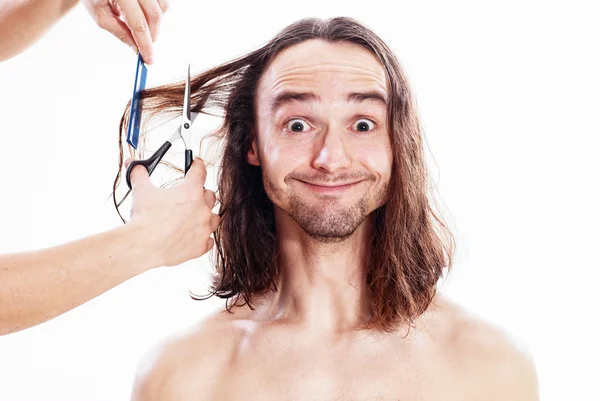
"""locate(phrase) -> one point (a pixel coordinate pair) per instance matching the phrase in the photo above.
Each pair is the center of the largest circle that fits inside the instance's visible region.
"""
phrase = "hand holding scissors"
(183, 133)
(180, 217)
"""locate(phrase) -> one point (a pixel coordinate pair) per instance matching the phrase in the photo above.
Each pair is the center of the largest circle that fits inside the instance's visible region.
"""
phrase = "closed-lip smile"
(329, 187)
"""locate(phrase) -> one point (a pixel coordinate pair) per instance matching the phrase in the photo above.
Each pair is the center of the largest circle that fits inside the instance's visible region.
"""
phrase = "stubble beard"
(330, 222)
(326, 220)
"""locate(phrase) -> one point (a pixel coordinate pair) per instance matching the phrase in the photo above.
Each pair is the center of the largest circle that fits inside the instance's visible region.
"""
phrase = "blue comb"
(135, 115)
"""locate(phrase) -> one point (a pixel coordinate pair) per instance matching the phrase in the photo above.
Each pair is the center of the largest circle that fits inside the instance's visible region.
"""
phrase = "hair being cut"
(411, 245)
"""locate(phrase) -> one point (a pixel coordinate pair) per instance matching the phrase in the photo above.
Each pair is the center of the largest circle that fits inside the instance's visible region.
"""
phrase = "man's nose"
(332, 150)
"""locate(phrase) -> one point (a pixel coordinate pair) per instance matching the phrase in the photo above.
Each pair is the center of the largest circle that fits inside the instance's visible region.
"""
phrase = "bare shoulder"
(494, 363)
(175, 368)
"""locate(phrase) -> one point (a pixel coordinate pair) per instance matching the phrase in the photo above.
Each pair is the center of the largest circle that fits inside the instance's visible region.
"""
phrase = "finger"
(139, 177)
(210, 198)
(153, 14)
(209, 244)
(138, 27)
(215, 220)
(128, 162)
(196, 175)
(164, 5)
(118, 28)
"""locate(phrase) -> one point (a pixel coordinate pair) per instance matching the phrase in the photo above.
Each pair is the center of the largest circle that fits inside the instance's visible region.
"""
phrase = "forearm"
(39, 285)
(23, 22)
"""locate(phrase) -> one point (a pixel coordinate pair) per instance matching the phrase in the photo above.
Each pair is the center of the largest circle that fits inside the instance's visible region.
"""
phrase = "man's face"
(322, 124)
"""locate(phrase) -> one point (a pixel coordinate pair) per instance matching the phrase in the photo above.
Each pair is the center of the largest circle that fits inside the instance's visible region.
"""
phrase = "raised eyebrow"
(376, 96)
(287, 97)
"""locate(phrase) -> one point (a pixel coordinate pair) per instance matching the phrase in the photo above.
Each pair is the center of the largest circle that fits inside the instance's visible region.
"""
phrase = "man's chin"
(329, 224)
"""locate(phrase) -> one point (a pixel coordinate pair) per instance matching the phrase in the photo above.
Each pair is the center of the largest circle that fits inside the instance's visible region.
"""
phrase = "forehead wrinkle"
(296, 82)
(288, 72)
(356, 74)
(333, 67)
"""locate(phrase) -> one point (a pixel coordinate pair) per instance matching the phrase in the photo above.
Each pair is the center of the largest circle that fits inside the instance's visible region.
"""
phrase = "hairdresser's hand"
(174, 223)
(134, 22)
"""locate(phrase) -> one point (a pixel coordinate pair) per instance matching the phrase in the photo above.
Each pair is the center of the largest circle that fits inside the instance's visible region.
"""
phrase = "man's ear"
(252, 156)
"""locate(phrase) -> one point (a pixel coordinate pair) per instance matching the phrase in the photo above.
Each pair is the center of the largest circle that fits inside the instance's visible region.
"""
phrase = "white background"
(508, 94)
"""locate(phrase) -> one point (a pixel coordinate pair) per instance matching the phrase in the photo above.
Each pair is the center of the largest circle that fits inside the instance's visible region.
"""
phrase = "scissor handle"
(189, 158)
(149, 163)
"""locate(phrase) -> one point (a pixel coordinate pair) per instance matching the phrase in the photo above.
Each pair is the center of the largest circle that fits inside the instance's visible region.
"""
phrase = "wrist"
(143, 245)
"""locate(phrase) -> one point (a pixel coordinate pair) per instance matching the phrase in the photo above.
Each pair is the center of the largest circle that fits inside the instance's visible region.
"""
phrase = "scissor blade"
(184, 133)
(186, 97)
(193, 117)
(179, 130)
(124, 197)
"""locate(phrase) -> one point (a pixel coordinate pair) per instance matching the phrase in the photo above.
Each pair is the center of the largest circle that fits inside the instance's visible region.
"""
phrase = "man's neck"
(321, 286)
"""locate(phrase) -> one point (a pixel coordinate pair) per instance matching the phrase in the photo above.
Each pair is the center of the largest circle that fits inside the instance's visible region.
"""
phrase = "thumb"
(139, 177)
(118, 28)
(197, 172)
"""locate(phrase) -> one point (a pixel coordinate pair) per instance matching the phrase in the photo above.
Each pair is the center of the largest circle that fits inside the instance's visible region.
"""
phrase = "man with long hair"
(328, 251)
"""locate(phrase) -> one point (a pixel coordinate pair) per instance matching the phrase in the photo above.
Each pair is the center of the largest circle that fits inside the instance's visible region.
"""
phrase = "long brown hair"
(411, 245)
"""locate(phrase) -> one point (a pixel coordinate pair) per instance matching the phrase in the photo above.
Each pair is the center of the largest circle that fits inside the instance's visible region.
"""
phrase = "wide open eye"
(364, 125)
(297, 125)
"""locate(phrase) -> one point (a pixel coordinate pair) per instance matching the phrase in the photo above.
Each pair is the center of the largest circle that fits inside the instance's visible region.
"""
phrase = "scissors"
(182, 132)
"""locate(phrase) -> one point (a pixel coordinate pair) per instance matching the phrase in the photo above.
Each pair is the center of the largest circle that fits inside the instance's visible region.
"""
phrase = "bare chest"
(350, 371)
